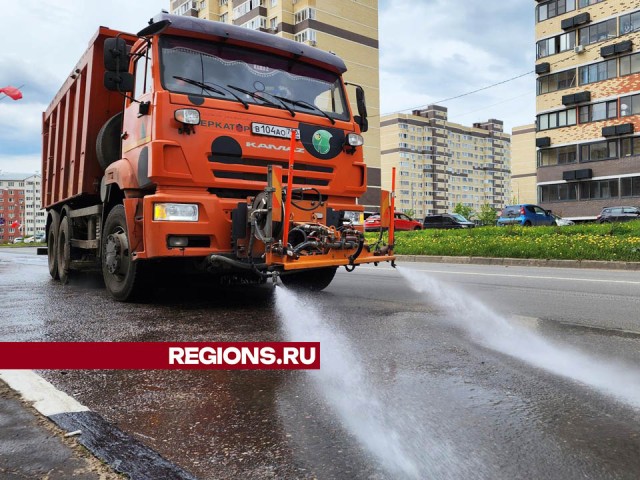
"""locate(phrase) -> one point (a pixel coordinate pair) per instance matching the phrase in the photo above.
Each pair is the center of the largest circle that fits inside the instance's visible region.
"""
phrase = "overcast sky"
(430, 50)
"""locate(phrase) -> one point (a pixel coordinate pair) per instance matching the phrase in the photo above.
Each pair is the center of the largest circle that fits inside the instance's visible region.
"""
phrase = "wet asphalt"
(435, 402)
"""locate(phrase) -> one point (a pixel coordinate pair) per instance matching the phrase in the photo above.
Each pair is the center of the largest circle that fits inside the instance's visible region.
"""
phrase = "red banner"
(12, 92)
(160, 356)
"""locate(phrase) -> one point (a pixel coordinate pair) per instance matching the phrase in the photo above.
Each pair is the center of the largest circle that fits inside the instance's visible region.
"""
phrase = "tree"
(409, 213)
(487, 215)
(465, 211)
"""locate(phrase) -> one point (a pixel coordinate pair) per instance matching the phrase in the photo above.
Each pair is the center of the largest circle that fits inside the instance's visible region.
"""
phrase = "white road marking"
(46, 398)
(507, 275)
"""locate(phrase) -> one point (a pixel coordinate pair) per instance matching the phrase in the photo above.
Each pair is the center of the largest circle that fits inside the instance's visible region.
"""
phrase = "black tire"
(63, 250)
(313, 280)
(52, 244)
(554, 224)
(122, 275)
(108, 143)
(417, 228)
(527, 224)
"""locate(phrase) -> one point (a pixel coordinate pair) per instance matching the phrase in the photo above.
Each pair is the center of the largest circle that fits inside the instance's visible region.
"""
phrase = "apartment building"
(20, 212)
(440, 164)
(588, 105)
(348, 28)
(523, 165)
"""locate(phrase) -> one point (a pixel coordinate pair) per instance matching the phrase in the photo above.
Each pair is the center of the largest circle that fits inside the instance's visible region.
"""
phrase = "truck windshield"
(262, 75)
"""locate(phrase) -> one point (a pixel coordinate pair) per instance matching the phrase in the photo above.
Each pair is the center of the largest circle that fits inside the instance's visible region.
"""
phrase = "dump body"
(232, 150)
(70, 126)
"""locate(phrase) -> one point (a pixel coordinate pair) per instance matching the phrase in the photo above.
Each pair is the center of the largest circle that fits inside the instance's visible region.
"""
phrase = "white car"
(562, 222)
(29, 240)
(18, 240)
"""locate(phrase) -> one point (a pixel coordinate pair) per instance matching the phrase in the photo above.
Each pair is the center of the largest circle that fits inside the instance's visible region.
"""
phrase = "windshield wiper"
(310, 106)
(265, 100)
(206, 86)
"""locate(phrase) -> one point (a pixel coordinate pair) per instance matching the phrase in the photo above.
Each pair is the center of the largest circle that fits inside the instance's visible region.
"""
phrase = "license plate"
(273, 130)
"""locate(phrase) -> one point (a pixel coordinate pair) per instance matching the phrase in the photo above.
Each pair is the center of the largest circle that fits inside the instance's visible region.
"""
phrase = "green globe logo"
(321, 141)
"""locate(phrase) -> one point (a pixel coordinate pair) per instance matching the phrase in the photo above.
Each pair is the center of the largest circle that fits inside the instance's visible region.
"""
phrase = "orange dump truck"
(197, 146)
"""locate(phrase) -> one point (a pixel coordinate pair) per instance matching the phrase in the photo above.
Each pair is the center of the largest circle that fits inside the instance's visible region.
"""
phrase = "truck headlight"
(175, 212)
(355, 140)
(188, 116)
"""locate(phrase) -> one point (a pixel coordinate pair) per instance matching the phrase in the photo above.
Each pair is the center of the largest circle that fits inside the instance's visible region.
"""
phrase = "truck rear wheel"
(122, 275)
(52, 244)
(313, 280)
(63, 250)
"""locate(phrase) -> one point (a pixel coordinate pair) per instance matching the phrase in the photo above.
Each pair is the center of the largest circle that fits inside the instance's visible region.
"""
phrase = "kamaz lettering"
(277, 148)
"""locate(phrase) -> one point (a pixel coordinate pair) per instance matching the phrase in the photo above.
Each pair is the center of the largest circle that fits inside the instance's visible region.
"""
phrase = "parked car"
(29, 240)
(618, 214)
(562, 222)
(525, 215)
(448, 220)
(18, 240)
(400, 222)
(40, 237)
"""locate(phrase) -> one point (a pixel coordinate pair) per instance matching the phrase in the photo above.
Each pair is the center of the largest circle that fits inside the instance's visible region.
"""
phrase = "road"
(430, 371)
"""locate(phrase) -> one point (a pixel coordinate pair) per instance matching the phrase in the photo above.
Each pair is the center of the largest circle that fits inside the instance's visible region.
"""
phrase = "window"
(256, 23)
(629, 146)
(554, 8)
(599, 189)
(557, 81)
(630, 105)
(244, 68)
(273, 23)
(308, 35)
(561, 192)
(630, 187)
(598, 32)
(224, 18)
(305, 14)
(560, 43)
(586, 3)
(222, 3)
(597, 72)
(274, 3)
(594, 152)
(143, 76)
(246, 7)
(598, 111)
(630, 64)
(557, 119)
(629, 23)
(557, 156)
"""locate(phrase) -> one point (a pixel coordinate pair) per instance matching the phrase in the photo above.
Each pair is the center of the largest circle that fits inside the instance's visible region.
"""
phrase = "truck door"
(137, 118)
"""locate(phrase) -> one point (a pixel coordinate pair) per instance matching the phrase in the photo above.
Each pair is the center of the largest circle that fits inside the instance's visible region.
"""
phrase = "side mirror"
(362, 109)
(116, 55)
(118, 82)
(549, 212)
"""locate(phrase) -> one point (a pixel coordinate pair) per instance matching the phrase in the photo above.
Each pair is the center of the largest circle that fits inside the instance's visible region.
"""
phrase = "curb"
(120, 451)
(523, 262)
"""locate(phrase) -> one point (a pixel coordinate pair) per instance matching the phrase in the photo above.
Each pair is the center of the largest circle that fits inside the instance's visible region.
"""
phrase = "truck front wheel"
(122, 275)
(314, 280)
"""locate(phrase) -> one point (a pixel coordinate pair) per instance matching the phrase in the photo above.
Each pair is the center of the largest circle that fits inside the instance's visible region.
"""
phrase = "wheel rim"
(117, 253)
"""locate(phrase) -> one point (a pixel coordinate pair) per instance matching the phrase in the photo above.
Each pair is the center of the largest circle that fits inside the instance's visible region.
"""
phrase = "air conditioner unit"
(578, 48)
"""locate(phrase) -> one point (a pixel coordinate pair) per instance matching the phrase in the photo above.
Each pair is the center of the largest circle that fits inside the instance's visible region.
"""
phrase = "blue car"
(526, 215)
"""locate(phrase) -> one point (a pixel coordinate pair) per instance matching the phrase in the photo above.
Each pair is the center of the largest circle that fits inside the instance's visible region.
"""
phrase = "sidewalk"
(523, 262)
(32, 447)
